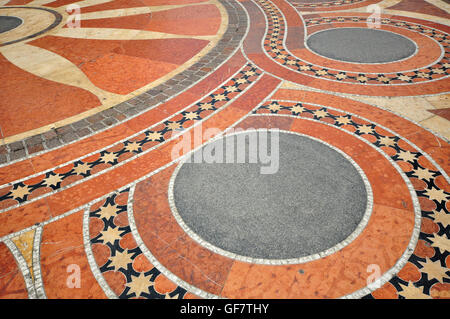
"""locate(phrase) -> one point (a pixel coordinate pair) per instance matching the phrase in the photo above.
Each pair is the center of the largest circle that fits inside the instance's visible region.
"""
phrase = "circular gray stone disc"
(8, 23)
(314, 201)
(361, 45)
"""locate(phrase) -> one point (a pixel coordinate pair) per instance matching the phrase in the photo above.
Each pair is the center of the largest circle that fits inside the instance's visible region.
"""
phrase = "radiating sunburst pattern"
(71, 59)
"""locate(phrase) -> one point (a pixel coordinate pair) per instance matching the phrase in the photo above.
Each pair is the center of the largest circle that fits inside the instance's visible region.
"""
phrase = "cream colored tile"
(439, 101)
(53, 67)
(439, 125)
(414, 108)
(122, 34)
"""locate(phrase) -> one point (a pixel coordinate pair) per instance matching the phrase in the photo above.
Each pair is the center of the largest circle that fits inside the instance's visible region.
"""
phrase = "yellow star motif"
(387, 141)
(341, 76)
(274, 107)
(108, 211)
(110, 235)
(343, 120)
(132, 147)
(384, 79)
(441, 217)
(220, 97)
(438, 71)
(153, 136)
(282, 56)
(231, 88)
(406, 156)
(108, 157)
(321, 72)
(81, 168)
(291, 62)
(423, 173)
(366, 129)
(434, 270)
(297, 109)
(441, 242)
(361, 78)
(53, 180)
(173, 126)
(20, 192)
(422, 75)
(436, 194)
(404, 78)
(239, 81)
(320, 113)
(139, 284)
(121, 259)
(305, 68)
(249, 73)
(412, 292)
(191, 115)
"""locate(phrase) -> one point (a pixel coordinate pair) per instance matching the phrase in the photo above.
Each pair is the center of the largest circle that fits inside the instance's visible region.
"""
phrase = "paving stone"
(69, 137)
(16, 146)
(51, 143)
(84, 132)
(97, 126)
(82, 123)
(18, 154)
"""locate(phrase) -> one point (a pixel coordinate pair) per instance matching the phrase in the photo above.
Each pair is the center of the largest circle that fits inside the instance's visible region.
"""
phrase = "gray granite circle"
(314, 201)
(8, 23)
(361, 45)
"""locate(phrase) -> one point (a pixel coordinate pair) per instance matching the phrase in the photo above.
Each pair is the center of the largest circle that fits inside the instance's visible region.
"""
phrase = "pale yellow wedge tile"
(24, 243)
(439, 125)
(439, 101)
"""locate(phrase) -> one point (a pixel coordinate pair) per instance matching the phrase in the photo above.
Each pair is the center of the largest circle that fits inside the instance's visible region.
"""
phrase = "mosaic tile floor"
(96, 197)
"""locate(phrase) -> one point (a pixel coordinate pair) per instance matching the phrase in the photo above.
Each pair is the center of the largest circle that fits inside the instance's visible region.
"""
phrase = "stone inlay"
(9, 23)
(55, 138)
(37, 20)
(361, 45)
(314, 201)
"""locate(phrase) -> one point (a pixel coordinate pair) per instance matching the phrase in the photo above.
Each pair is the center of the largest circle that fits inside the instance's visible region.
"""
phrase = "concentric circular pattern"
(274, 45)
(9, 23)
(359, 205)
(282, 211)
(361, 45)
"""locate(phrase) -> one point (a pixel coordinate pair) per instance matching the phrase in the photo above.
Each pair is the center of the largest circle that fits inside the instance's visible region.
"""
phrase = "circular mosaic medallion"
(311, 199)
(361, 45)
(9, 23)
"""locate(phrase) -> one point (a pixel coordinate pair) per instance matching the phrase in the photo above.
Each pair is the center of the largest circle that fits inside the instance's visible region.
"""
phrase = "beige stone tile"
(439, 101)
(414, 108)
(439, 125)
